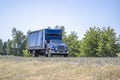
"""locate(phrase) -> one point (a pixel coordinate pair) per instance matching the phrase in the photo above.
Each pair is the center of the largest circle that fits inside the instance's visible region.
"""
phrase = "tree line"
(97, 42)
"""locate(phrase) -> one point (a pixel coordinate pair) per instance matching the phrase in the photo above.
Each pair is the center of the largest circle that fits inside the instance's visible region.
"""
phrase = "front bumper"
(59, 52)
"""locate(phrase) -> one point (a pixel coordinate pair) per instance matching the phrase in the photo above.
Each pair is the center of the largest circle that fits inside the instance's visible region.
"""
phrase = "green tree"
(49, 27)
(99, 42)
(57, 27)
(73, 44)
(9, 49)
(1, 47)
(18, 41)
(25, 50)
(117, 44)
(90, 42)
(5, 48)
(106, 44)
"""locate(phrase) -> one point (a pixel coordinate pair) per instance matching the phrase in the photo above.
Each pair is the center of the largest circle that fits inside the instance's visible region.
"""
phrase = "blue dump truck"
(46, 42)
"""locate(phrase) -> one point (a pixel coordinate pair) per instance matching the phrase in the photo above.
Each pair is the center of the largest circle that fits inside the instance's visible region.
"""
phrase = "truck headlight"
(66, 48)
(54, 48)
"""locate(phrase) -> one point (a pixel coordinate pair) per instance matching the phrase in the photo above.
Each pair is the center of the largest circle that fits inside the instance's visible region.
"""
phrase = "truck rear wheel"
(34, 54)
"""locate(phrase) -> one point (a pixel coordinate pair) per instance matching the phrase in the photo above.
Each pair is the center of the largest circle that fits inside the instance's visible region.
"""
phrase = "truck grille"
(60, 48)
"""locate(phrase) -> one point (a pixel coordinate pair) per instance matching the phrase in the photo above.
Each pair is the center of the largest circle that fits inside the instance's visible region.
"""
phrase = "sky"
(74, 15)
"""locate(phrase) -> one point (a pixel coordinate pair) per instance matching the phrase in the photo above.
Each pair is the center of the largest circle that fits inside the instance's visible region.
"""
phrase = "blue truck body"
(42, 42)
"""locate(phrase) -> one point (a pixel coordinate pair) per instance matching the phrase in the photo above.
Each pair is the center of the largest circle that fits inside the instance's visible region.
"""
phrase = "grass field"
(21, 68)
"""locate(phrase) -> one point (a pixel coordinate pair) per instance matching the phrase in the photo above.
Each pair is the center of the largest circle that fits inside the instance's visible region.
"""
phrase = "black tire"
(49, 54)
(34, 54)
(65, 55)
(45, 54)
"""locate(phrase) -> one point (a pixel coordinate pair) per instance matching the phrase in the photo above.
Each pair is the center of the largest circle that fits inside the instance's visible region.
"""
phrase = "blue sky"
(75, 15)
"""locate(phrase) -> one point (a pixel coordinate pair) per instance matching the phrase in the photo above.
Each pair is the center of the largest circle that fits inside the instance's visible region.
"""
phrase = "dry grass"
(53, 70)
(118, 54)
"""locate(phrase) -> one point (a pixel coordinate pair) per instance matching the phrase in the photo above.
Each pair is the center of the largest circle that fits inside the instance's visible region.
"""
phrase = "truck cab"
(56, 47)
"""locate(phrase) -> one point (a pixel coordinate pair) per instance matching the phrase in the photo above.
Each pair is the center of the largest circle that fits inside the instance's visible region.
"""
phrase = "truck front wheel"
(65, 55)
(49, 54)
(34, 54)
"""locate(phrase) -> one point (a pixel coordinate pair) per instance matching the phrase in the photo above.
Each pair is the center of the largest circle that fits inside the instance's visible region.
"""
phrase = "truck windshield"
(56, 41)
